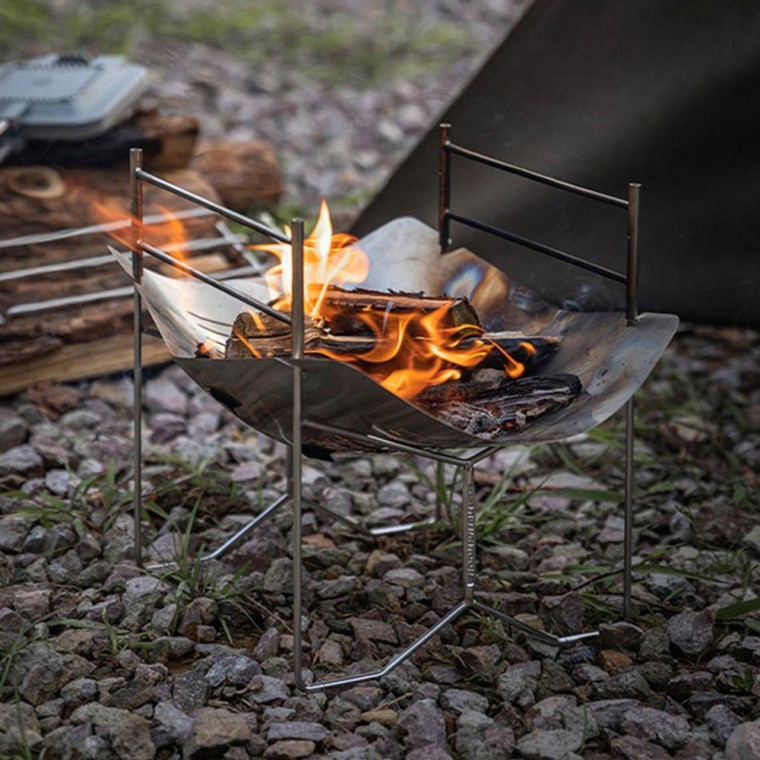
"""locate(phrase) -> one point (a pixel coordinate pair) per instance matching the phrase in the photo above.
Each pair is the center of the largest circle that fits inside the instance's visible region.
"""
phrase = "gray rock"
(19, 725)
(374, 630)
(395, 494)
(422, 723)
(265, 689)
(79, 691)
(162, 395)
(428, 752)
(13, 430)
(290, 749)
(190, 690)
(80, 419)
(236, 670)
(549, 745)
(59, 482)
(628, 684)
(267, 645)
(635, 748)
(752, 539)
(657, 726)
(213, 731)
(176, 724)
(744, 742)
(39, 672)
(691, 632)
(407, 577)
(519, 678)
(655, 645)
(130, 734)
(343, 586)
(380, 562)
(553, 713)
(22, 460)
(608, 713)
(478, 737)
(166, 426)
(66, 569)
(279, 576)
(620, 635)
(13, 532)
(298, 729)
(722, 721)
(364, 697)
(96, 748)
(682, 686)
(131, 739)
(458, 700)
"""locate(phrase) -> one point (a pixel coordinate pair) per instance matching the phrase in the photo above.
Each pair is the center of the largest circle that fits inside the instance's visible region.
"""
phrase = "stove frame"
(139, 248)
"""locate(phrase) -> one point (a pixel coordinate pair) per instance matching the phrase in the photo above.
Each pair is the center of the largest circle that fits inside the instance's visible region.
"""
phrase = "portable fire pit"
(316, 405)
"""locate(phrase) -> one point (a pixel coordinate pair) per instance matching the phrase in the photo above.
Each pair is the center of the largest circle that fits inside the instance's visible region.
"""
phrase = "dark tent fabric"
(600, 93)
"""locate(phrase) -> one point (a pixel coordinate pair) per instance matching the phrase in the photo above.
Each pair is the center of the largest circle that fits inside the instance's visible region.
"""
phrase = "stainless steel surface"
(610, 357)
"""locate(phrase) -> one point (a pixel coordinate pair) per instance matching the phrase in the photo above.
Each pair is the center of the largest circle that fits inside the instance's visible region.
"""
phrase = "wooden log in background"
(48, 345)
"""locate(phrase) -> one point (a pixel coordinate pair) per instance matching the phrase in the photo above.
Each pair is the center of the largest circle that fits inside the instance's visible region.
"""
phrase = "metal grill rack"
(298, 365)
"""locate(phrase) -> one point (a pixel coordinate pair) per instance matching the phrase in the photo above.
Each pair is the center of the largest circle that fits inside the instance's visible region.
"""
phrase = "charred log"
(491, 407)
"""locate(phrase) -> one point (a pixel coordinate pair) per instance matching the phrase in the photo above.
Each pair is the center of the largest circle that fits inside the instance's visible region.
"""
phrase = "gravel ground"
(99, 660)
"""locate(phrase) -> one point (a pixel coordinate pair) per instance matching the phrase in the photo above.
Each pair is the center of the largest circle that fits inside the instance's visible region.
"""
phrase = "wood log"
(527, 349)
(244, 173)
(275, 339)
(346, 304)
(490, 411)
(345, 333)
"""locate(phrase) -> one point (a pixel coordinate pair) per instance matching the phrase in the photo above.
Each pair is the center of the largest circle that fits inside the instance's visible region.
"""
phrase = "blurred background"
(342, 89)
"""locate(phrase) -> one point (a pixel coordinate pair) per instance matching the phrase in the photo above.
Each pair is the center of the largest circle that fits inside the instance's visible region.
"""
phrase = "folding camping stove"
(290, 399)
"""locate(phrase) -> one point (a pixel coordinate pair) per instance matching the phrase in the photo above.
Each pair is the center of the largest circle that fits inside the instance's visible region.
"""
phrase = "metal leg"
(135, 162)
(628, 517)
(469, 539)
(236, 538)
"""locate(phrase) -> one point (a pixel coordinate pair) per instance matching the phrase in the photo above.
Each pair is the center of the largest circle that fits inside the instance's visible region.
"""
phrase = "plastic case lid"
(68, 97)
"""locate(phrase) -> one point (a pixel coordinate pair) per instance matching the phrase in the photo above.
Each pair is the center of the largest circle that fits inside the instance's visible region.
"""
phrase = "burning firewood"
(348, 330)
(482, 401)
(492, 404)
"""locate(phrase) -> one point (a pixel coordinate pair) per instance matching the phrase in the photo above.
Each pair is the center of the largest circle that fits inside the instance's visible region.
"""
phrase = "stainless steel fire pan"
(610, 357)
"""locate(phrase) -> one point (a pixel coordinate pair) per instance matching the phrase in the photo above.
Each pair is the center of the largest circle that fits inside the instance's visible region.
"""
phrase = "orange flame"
(412, 350)
(329, 259)
(170, 235)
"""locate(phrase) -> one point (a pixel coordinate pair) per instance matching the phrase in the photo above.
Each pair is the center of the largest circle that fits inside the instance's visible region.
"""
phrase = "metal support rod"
(136, 194)
(440, 486)
(213, 282)
(469, 538)
(543, 179)
(444, 188)
(628, 516)
(555, 253)
(233, 216)
(536, 633)
(234, 539)
(632, 273)
(295, 451)
(396, 660)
